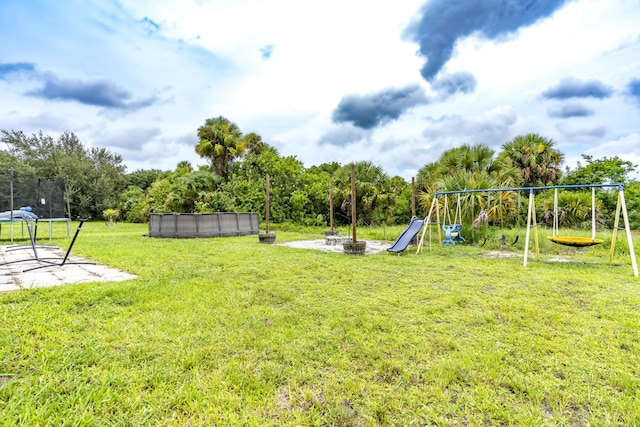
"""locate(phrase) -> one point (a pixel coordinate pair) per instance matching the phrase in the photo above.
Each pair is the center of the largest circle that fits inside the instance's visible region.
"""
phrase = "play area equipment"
(452, 229)
(47, 198)
(31, 221)
(47, 262)
(621, 208)
(404, 240)
(572, 240)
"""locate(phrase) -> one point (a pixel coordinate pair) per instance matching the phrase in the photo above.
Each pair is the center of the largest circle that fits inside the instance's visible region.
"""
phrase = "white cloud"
(572, 42)
(627, 148)
(205, 59)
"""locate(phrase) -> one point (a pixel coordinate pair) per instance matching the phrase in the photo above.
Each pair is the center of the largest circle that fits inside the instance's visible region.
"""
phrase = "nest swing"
(576, 242)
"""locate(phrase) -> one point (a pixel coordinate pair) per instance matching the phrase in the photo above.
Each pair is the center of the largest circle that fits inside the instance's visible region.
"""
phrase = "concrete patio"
(14, 260)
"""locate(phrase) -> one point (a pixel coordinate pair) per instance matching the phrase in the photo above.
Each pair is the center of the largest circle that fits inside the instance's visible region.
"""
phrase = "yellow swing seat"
(577, 242)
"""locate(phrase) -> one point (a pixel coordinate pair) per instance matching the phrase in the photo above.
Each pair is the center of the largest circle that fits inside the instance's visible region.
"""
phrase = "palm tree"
(495, 206)
(574, 209)
(472, 167)
(374, 198)
(475, 159)
(253, 143)
(184, 168)
(539, 162)
(470, 158)
(221, 141)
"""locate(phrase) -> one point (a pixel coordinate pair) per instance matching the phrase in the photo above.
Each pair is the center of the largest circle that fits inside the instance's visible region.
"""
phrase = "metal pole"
(518, 215)
(11, 201)
(499, 190)
(49, 191)
(66, 192)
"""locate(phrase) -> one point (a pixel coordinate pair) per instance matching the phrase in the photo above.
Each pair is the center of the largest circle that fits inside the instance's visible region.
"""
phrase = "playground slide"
(407, 235)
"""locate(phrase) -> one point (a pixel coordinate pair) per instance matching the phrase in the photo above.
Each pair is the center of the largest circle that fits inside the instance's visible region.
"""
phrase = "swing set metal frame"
(621, 208)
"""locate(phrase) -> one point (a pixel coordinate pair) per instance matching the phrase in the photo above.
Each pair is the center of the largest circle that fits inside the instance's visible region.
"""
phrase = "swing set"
(571, 240)
(453, 228)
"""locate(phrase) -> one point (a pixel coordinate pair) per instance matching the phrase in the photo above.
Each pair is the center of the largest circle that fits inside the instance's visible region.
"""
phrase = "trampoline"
(47, 198)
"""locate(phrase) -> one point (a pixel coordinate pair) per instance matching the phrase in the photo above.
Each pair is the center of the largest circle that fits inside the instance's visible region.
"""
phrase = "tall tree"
(96, 176)
(536, 157)
(220, 140)
(143, 178)
(8, 161)
(608, 170)
(471, 167)
(599, 171)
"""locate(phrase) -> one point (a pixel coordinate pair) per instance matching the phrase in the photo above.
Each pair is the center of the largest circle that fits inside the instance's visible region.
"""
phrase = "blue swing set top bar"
(530, 189)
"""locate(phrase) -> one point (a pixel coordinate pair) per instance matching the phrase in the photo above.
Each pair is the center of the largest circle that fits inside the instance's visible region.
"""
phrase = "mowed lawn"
(227, 331)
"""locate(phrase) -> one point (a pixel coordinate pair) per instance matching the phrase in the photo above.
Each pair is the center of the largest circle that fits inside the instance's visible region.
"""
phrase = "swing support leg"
(438, 224)
(614, 233)
(622, 207)
(434, 204)
(625, 216)
(531, 218)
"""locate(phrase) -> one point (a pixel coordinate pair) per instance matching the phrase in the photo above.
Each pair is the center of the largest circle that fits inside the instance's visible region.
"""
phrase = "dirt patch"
(5, 378)
(500, 254)
(373, 246)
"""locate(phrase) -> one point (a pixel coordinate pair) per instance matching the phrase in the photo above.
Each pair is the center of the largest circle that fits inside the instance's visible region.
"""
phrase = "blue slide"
(407, 235)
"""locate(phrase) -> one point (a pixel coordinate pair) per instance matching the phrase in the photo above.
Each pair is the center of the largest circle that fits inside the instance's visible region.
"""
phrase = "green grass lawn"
(227, 331)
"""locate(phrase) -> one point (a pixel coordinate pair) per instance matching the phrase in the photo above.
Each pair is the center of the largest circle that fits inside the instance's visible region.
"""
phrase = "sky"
(394, 83)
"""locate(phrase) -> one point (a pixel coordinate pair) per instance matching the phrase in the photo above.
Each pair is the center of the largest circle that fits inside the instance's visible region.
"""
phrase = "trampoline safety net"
(46, 197)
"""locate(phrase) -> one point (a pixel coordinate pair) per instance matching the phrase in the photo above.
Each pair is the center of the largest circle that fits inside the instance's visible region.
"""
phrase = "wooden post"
(267, 208)
(413, 197)
(353, 201)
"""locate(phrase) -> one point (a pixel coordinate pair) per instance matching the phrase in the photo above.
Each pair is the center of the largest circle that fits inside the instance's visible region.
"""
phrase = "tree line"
(234, 180)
